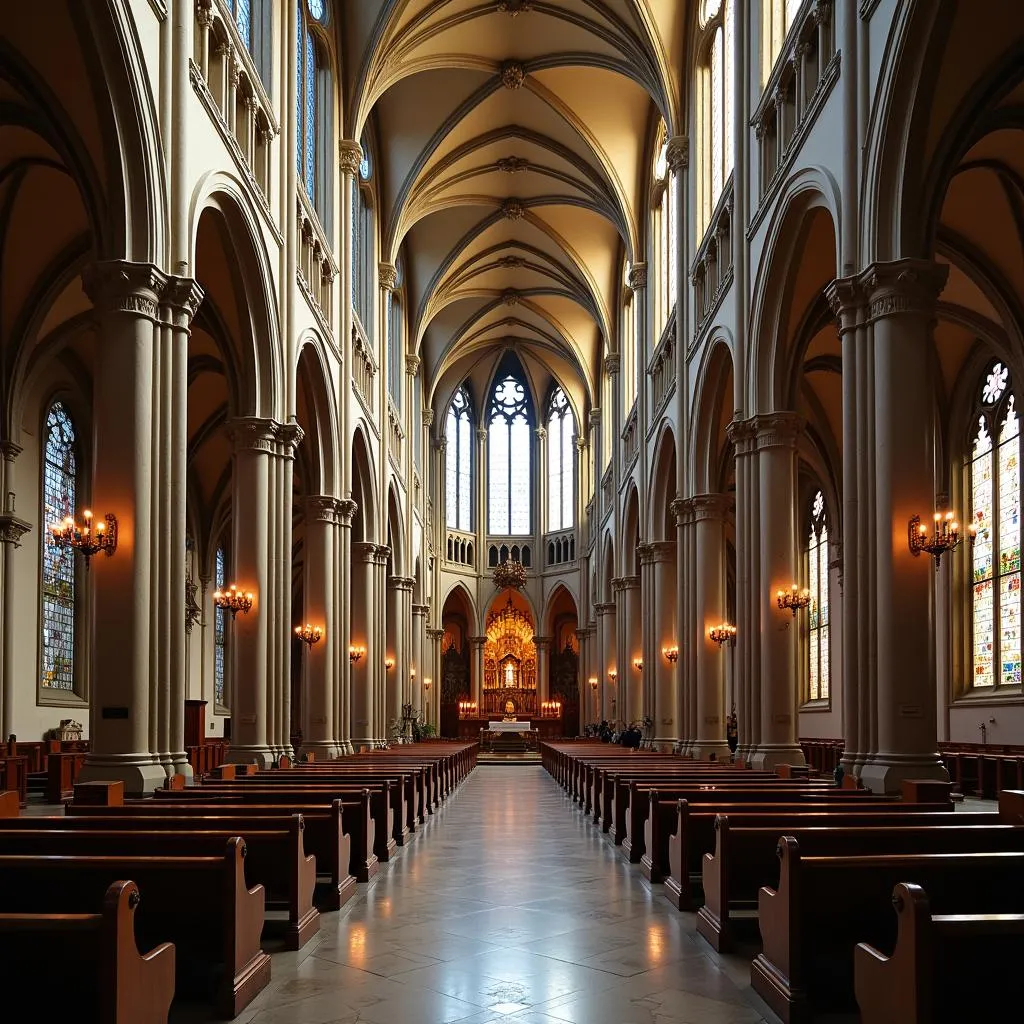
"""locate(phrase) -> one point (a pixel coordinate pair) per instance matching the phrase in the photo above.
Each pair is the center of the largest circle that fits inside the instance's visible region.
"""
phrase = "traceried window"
(715, 73)
(817, 583)
(57, 639)
(994, 487)
(252, 19)
(395, 339)
(458, 456)
(630, 309)
(508, 477)
(778, 18)
(560, 462)
(219, 632)
(313, 92)
(364, 277)
(666, 224)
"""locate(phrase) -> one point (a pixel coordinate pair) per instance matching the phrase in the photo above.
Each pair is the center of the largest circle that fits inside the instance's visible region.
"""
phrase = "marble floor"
(507, 907)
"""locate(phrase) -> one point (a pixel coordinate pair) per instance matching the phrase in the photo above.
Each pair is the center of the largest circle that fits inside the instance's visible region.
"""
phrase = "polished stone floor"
(507, 907)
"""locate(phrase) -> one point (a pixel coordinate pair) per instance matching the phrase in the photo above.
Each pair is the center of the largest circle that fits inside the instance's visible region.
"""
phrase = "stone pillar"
(901, 314)
(709, 516)
(414, 677)
(476, 673)
(776, 444)
(364, 555)
(543, 646)
(319, 685)
(681, 509)
(343, 594)
(658, 564)
(138, 475)
(399, 599)
(12, 529)
(432, 698)
(606, 689)
(376, 645)
(630, 681)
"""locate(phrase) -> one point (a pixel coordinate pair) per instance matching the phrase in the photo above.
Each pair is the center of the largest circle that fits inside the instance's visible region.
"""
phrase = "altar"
(509, 726)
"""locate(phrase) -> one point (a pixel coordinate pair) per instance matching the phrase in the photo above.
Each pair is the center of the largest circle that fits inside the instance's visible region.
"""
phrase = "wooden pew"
(923, 982)
(14, 776)
(339, 832)
(274, 859)
(824, 906)
(61, 772)
(694, 834)
(10, 805)
(86, 965)
(745, 857)
(201, 904)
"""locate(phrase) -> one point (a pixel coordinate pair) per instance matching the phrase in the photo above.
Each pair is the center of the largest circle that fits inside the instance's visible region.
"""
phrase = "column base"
(711, 750)
(347, 750)
(664, 744)
(322, 750)
(140, 779)
(180, 766)
(258, 753)
(768, 755)
(885, 773)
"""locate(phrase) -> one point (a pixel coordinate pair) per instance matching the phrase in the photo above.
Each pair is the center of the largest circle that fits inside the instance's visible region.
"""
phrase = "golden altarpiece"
(510, 665)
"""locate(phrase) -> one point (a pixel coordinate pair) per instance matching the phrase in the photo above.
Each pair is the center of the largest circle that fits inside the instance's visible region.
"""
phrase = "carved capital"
(513, 74)
(905, 287)
(742, 434)
(778, 430)
(714, 507)
(320, 508)
(428, 417)
(388, 276)
(604, 608)
(622, 583)
(638, 276)
(846, 297)
(611, 363)
(122, 287)
(364, 552)
(403, 584)
(541, 432)
(677, 153)
(656, 552)
(346, 510)
(581, 444)
(680, 508)
(412, 365)
(183, 296)
(542, 643)
(10, 451)
(350, 156)
(12, 529)
(289, 437)
(595, 417)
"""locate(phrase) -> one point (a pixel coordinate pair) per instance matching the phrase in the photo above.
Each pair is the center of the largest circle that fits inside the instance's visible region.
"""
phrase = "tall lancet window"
(560, 462)
(219, 632)
(817, 583)
(458, 456)
(716, 106)
(666, 218)
(994, 470)
(57, 634)
(312, 114)
(253, 21)
(508, 439)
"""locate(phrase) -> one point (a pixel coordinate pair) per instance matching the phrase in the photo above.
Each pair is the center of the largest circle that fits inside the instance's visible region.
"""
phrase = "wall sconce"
(309, 635)
(723, 634)
(89, 541)
(355, 652)
(389, 663)
(593, 682)
(426, 683)
(671, 653)
(612, 676)
(945, 536)
(794, 599)
(638, 664)
(233, 600)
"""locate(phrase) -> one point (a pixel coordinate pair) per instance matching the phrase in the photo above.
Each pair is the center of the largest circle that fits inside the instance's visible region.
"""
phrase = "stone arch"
(396, 533)
(560, 591)
(608, 569)
(318, 416)
(364, 490)
(712, 413)
(460, 592)
(630, 560)
(661, 523)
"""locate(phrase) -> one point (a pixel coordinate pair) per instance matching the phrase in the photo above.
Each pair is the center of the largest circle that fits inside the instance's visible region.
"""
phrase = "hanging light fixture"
(234, 600)
(309, 635)
(88, 539)
(945, 536)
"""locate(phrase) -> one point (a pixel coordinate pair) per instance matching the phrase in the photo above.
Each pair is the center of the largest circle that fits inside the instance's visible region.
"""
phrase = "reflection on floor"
(508, 907)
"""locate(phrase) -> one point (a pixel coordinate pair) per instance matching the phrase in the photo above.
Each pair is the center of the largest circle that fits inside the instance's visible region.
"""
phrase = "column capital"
(904, 287)
(364, 551)
(620, 583)
(742, 434)
(402, 583)
(412, 365)
(346, 511)
(604, 608)
(12, 529)
(257, 433)
(846, 297)
(778, 429)
(183, 296)
(350, 156)
(657, 551)
(321, 508)
(677, 153)
(711, 506)
(481, 433)
(428, 417)
(477, 641)
(611, 362)
(388, 276)
(541, 432)
(680, 508)
(382, 554)
(10, 450)
(421, 609)
(595, 417)
(581, 444)
(435, 634)
(637, 276)
(542, 643)
(123, 287)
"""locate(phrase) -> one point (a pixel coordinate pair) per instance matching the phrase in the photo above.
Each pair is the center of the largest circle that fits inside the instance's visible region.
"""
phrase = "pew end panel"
(248, 966)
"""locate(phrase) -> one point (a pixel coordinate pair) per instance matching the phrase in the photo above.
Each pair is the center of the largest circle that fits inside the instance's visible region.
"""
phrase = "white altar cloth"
(509, 726)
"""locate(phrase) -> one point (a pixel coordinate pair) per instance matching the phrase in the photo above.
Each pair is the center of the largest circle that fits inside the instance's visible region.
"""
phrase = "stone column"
(401, 642)
(681, 509)
(343, 594)
(543, 646)
(364, 555)
(432, 697)
(902, 298)
(606, 690)
(319, 685)
(659, 560)
(133, 638)
(375, 647)
(476, 644)
(709, 516)
(630, 681)
(776, 443)
(480, 510)
(12, 529)
(414, 677)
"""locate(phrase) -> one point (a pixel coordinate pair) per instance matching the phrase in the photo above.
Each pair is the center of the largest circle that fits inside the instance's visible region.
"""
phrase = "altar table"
(509, 726)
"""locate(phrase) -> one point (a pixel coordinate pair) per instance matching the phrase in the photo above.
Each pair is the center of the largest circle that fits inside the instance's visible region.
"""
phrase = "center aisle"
(508, 907)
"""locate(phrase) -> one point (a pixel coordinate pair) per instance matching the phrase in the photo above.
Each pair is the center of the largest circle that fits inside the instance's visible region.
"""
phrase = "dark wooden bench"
(339, 833)
(275, 858)
(924, 981)
(86, 965)
(694, 834)
(201, 904)
(824, 906)
(745, 858)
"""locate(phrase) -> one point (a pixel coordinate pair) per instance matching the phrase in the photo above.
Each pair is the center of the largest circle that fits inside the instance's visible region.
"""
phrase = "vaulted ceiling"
(513, 145)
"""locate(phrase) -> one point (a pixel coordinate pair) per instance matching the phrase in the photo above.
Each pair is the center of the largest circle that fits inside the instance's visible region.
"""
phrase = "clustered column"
(12, 529)
(606, 664)
(658, 580)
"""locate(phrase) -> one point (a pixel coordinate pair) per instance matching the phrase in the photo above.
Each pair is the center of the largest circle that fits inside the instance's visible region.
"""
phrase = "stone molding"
(677, 153)
(612, 362)
(637, 276)
(387, 274)
(350, 156)
(513, 74)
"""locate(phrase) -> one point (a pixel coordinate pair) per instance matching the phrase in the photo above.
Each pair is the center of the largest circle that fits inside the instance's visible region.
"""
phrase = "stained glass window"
(243, 19)
(509, 459)
(458, 463)
(994, 467)
(667, 218)
(219, 631)
(817, 583)
(311, 110)
(364, 277)
(560, 462)
(58, 570)
(716, 139)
